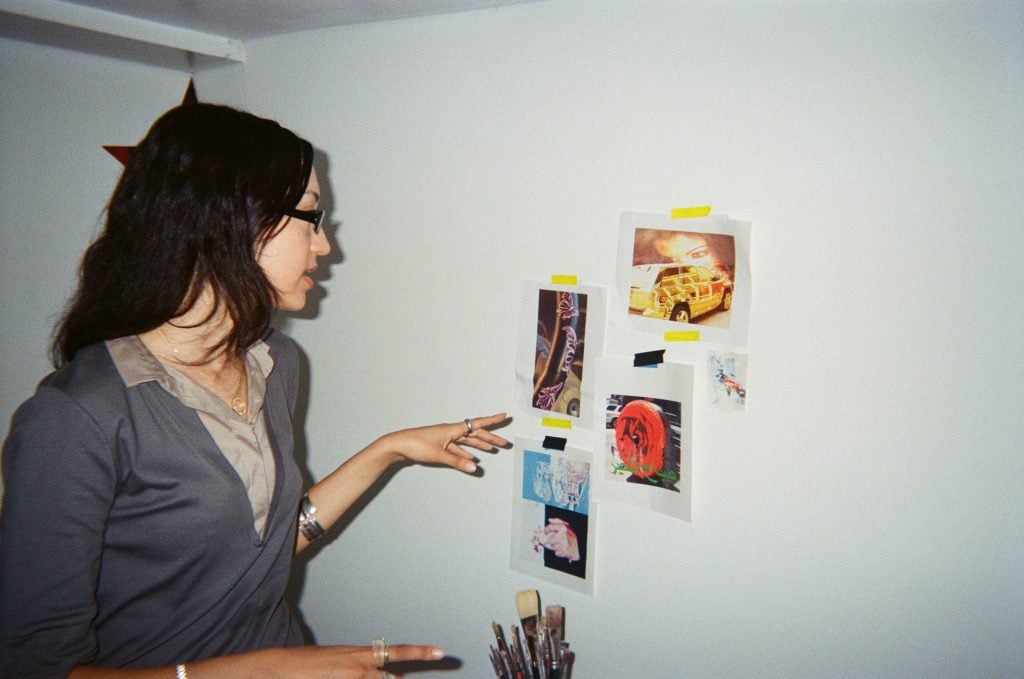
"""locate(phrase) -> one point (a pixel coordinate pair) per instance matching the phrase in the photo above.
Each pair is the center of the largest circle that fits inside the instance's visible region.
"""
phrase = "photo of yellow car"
(678, 292)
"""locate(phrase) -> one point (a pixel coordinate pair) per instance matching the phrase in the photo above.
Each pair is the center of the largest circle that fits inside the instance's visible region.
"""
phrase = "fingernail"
(437, 653)
(469, 467)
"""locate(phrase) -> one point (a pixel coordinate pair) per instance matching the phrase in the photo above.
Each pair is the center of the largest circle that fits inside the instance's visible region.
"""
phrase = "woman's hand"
(442, 443)
(340, 662)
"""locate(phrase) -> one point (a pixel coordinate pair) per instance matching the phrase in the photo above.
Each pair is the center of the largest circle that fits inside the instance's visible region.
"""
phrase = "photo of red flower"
(644, 440)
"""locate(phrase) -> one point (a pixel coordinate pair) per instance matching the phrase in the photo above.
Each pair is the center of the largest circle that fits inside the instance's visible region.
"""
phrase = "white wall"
(864, 517)
(57, 111)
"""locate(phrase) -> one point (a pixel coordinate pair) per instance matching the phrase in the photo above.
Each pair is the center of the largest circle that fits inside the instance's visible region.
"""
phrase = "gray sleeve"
(59, 482)
(286, 364)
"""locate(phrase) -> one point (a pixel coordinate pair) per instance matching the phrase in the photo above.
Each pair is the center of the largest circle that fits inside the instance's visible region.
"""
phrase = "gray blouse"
(242, 440)
(127, 537)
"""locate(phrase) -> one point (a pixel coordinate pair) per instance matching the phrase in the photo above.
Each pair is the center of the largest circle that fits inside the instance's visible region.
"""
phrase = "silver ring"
(469, 426)
(380, 653)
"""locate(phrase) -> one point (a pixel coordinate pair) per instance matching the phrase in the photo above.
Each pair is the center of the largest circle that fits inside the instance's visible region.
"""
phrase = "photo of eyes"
(677, 274)
(683, 276)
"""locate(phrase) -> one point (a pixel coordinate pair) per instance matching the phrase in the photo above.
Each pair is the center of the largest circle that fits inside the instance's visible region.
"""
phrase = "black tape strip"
(554, 443)
(648, 358)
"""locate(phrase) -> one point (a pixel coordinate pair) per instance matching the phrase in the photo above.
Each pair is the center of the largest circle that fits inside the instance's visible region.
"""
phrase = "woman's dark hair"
(200, 192)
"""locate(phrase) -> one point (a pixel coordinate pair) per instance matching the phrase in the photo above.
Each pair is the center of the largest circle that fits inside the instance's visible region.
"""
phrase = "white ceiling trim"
(123, 26)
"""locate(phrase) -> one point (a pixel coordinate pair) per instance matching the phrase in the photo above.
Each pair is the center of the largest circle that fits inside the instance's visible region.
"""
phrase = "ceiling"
(196, 34)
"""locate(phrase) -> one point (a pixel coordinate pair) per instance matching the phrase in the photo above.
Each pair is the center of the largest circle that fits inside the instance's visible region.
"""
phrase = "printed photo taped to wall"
(683, 276)
(646, 435)
(556, 480)
(552, 515)
(558, 360)
(643, 442)
(551, 542)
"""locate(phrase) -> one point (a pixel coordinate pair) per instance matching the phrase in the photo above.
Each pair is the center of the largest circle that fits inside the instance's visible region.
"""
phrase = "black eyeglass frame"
(314, 217)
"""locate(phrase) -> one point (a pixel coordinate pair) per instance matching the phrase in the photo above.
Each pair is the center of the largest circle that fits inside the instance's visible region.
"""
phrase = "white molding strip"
(131, 28)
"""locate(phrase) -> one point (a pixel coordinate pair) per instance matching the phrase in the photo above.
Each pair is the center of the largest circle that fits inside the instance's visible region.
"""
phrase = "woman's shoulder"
(276, 339)
(87, 389)
(286, 356)
(282, 347)
(91, 370)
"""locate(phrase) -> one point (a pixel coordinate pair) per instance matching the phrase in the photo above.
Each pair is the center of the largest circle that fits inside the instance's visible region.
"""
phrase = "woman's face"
(289, 256)
(688, 248)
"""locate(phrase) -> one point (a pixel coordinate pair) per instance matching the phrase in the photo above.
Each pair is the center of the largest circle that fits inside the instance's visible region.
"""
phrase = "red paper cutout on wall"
(123, 153)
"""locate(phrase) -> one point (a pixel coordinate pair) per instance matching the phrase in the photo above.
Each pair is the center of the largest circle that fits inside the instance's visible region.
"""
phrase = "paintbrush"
(556, 658)
(503, 650)
(567, 658)
(518, 656)
(506, 664)
(554, 620)
(543, 656)
(528, 607)
(500, 636)
(498, 673)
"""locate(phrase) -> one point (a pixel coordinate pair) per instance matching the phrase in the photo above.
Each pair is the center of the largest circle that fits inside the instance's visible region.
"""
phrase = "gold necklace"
(238, 401)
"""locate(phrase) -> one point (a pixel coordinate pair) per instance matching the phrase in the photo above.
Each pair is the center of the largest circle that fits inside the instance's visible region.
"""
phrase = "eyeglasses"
(314, 217)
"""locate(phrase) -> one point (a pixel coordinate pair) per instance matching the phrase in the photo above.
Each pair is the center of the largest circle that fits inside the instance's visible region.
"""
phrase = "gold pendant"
(239, 406)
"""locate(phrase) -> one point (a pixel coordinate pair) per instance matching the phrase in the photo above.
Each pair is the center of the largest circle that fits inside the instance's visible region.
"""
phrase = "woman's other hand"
(342, 662)
(299, 662)
(443, 443)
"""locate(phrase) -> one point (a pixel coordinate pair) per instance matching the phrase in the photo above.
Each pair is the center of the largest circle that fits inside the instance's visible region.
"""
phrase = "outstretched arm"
(440, 444)
(301, 662)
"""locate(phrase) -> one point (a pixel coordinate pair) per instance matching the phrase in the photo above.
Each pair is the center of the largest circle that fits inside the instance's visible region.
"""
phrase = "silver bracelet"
(180, 671)
(308, 525)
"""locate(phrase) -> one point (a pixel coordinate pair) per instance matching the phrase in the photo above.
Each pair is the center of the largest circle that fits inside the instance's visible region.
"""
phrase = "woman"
(152, 503)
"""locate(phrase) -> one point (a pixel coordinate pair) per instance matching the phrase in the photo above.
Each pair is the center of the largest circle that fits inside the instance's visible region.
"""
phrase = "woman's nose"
(320, 245)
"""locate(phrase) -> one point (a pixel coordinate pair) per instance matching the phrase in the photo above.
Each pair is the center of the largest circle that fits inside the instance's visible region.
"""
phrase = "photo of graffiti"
(728, 383)
(558, 358)
(643, 441)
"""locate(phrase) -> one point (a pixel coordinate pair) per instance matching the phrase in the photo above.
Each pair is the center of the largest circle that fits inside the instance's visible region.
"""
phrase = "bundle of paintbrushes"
(540, 651)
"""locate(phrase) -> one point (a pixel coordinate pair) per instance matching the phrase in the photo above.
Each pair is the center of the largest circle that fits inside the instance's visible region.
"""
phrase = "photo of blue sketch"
(557, 481)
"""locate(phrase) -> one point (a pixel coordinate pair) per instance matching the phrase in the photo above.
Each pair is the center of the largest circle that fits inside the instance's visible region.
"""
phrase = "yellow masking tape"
(555, 422)
(563, 280)
(682, 336)
(684, 212)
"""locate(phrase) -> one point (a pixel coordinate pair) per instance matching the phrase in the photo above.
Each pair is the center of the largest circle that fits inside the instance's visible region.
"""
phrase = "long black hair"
(201, 191)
